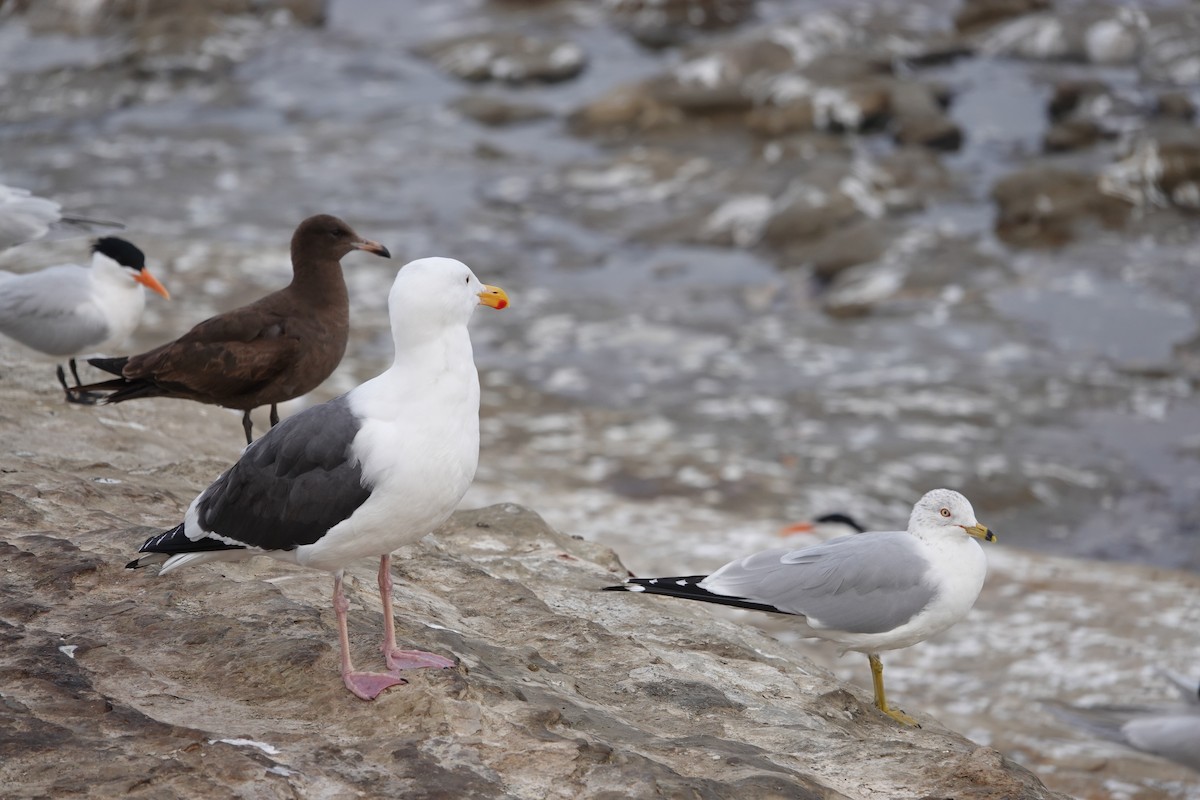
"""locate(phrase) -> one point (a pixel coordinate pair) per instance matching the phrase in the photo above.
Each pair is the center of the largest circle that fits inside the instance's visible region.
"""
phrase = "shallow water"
(677, 399)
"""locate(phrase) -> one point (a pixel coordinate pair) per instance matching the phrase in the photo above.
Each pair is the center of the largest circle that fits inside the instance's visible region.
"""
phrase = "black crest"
(121, 252)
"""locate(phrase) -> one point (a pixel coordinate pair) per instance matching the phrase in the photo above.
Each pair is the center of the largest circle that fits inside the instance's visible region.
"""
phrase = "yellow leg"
(881, 697)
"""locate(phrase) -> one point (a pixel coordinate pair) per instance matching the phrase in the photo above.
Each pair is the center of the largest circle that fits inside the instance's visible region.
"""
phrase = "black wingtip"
(133, 564)
(624, 587)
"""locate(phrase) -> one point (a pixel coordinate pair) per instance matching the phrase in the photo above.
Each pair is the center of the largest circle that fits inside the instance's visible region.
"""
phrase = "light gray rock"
(222, 680)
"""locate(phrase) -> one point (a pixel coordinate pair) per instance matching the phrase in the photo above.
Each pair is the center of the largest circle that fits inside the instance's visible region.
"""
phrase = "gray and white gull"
(868, 592)
(25, 217)
(363, 474)
(1170, 731)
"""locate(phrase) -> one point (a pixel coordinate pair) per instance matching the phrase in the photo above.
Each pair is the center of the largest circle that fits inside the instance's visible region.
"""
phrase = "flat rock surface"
(222, 680)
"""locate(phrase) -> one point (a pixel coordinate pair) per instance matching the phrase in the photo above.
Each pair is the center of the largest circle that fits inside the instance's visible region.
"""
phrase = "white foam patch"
(269, 749)
(68, 650)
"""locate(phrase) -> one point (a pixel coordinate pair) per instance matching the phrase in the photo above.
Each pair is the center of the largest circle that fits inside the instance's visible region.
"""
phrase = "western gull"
(868, 592)
(69, 310)
(25, 217)
(275, 349)
(1169, 731)
(363, 474)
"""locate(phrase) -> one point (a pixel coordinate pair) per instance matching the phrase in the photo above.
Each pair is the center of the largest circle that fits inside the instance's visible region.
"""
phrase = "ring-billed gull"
(365, 473)
(69, 310)
(868, 592)
(277, 348)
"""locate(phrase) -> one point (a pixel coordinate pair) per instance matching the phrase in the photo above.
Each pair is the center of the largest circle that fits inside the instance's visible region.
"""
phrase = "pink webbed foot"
(369, 685)
(415, 659)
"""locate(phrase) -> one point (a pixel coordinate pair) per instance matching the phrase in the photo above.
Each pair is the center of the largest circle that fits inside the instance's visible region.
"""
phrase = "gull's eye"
(468, 279)
(945, 512)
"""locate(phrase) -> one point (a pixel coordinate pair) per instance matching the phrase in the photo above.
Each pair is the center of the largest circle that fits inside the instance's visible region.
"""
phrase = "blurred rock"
(1176, 105)
(1041, 207)
(496, 111)
(1162, 169)
(662, 23)
(1073, 134)
(977, 15)
(508, 57)
(919, 118)
(1089, 33)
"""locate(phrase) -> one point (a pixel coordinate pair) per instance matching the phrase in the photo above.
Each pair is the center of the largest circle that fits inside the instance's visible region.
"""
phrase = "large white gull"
(365, 473)
(69, 310)
(869, 592)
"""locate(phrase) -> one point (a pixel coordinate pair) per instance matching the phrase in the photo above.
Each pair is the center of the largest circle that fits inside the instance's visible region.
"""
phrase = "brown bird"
(270, 351)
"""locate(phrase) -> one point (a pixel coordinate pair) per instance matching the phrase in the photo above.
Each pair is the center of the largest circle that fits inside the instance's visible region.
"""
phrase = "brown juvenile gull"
(273, 350)
(68, 310)
(869, 592)
(365, 473)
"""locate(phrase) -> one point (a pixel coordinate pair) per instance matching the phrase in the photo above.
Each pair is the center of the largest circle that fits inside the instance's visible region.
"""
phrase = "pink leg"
(366, 685)
(401, 659)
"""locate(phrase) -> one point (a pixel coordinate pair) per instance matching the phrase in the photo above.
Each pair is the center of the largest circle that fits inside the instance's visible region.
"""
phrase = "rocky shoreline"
(223, 679)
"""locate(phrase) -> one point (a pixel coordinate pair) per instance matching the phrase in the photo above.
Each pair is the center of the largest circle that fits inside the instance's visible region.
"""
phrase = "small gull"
(275, 349)
(365, 473)
(69, 310)
(868, 592)
(25, 217)
(1169, 731)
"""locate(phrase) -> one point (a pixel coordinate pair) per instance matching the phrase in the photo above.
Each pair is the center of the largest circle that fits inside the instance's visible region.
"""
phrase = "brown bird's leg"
(365, 685)
(82, 398)
(274, 415)
(401, 659)
(881, 698)
(247, 426)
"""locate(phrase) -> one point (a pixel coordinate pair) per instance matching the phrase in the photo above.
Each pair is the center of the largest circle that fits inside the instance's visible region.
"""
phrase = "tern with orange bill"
(69, 310)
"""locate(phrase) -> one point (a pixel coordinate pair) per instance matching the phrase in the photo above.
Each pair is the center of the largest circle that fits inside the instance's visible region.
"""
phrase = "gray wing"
(1169, 733)
(290, 486)
(24, 216)
(1173, 737)
(863, 583)
(52, 310)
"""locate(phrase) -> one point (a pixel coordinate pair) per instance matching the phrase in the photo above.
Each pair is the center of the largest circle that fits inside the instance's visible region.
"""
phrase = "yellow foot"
(901, 717)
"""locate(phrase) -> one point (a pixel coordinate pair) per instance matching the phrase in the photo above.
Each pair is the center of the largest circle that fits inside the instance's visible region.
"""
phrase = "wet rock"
(496, 111)
(1175, 105)
(857, 243)
(661, 23)
(1040, 207)
(222, 680)
(1073, 134)
(977, 15)
(1162, 169)
(797, 105)
(1093, 34)
(508, 57)
(807, 212)
(1171, 49)
(187, 19)
(919, 118)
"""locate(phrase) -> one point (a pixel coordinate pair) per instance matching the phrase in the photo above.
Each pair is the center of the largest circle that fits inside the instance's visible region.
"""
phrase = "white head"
(430, 295)
(945, 511)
